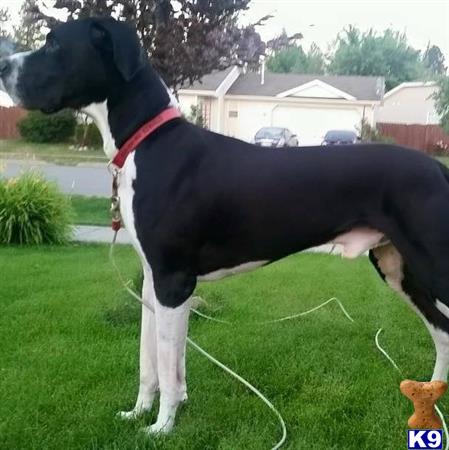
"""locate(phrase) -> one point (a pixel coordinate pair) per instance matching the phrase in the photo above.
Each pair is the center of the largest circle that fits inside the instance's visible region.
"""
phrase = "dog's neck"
(136, 103)
(121, 115)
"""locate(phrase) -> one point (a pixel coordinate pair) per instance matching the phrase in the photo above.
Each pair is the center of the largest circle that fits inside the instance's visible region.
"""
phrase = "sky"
(321, 20)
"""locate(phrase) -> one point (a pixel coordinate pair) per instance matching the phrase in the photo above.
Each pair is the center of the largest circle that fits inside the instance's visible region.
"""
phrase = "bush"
(440, 149)
(33, 211)
(372, 134)
(196, 116)
(88, 135)
(42, 128)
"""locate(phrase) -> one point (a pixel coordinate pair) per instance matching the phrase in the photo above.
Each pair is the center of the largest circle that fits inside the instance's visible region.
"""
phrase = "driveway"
(92, 179)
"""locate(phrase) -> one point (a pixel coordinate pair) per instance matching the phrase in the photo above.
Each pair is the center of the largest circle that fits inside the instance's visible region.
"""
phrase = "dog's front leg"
(148, 352)
(171, 330)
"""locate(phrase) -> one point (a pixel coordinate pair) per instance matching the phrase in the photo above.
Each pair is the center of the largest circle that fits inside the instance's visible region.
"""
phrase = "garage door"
(311, 124)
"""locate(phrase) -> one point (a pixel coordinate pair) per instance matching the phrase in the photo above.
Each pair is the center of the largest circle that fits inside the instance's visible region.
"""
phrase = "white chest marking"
(99, 113)
(173, 100)
(126, 193)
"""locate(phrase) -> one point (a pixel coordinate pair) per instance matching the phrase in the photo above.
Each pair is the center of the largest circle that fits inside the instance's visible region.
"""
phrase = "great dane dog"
(200, 206)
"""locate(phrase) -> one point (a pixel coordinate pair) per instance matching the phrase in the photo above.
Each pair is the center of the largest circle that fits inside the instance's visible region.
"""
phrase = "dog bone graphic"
(424, 395)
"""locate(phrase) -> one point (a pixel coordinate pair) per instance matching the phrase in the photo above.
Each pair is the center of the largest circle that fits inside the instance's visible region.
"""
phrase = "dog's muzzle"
(9, 74)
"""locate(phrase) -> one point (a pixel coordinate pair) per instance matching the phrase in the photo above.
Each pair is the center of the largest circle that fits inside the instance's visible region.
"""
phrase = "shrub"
(33, 211)
(196, 116)
(440, 149)
(88, 135)
(42, 128)
(372, 134)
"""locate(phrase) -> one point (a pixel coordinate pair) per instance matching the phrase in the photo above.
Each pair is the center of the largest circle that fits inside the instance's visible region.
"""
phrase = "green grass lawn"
(91, 210)
(444, 160)
(69, 356)
(55, 153)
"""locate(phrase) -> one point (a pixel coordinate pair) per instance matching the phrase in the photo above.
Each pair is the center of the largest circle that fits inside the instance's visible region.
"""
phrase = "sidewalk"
(87, 233)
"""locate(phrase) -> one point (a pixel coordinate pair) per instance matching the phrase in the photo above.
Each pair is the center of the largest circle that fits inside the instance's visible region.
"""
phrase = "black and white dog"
(200, 206)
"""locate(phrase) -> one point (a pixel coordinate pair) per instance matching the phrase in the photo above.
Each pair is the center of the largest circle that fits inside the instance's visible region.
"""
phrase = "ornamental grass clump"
(33, 211)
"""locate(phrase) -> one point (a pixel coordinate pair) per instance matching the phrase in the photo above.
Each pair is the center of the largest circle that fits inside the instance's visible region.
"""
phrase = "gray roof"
(362, 88)
(212, 81)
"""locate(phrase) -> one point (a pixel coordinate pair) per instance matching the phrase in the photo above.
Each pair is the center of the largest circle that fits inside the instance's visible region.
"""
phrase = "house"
(238, 104)
(410, 103)
(408, 116)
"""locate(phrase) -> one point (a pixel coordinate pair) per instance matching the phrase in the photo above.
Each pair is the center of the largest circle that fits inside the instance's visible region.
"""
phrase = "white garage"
(311, 123)
(306, 104)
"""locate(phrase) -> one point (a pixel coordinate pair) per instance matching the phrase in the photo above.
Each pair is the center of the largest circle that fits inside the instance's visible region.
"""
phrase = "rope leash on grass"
(241, 379)
(215, 361)
(376, 339)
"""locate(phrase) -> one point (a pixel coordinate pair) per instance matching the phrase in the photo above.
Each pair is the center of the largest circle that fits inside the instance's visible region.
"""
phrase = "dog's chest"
(126, 193)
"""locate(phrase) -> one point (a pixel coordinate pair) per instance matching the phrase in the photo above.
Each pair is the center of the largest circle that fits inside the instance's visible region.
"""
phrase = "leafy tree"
(29, 34)
(294, 59)
(316, 62)
(186, 39)
(433, 60)
(4, 20)
(441, 98)
(285, 60)
(288, 56)
(283, 41)
(369, 53)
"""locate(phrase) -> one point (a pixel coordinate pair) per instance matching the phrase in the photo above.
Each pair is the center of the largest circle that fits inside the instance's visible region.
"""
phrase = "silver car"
(275, 137)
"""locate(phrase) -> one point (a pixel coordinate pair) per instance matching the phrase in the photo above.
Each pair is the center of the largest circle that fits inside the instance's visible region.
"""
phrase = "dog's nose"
(5, 66)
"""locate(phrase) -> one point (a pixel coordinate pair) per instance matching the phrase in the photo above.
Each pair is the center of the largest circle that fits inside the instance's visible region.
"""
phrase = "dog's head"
(81, 63)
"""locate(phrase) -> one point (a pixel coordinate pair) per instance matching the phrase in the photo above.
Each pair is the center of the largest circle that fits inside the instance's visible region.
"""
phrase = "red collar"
(143, 132)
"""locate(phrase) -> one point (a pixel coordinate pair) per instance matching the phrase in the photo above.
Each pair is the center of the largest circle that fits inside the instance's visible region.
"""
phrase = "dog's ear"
(121, 41)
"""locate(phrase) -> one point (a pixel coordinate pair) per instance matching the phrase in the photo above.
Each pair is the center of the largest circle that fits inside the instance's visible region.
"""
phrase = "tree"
(433, 60)
(441, 98)
(4, 20)
(316, 62)
(186, 39)
(368, 53)
(294, 59)
(29, 34)
(286, 60)
(288, 56)
(283, 41)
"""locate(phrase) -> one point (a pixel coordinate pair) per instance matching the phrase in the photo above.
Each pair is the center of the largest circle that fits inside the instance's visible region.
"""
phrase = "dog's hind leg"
(391, 267)
(441, 341)
(148, 352)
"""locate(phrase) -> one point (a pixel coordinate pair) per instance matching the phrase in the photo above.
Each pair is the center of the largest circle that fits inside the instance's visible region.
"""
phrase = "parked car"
(275, 137)
(340, 137)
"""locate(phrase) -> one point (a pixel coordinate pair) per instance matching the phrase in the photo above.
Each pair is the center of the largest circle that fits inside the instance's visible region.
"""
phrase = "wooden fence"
(429, 138)
(9, 117)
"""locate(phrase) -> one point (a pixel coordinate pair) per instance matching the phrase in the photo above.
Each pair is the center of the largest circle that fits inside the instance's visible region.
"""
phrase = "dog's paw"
(130, 415)
(159, 428)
